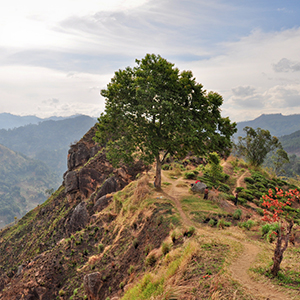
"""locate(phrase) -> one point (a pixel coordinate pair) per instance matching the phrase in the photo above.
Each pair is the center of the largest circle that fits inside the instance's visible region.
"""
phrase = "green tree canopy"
(153, 109)
(256, 145)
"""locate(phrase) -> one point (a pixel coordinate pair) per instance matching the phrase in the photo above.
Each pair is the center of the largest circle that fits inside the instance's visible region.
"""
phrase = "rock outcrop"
(198, 187)
(79, 219)
(92, 284)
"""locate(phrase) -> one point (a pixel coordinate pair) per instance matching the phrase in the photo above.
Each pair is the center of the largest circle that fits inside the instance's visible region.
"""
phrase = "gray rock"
(199, 187)
(109, 186)
(92, 284)
(78, 155)
(79, 219)
(71, 181)
(102, 202)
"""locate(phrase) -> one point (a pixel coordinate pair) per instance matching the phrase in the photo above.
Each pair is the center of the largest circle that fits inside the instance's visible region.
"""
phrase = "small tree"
(279, 158)
(256, 145)
(154, 110)
(275, 213)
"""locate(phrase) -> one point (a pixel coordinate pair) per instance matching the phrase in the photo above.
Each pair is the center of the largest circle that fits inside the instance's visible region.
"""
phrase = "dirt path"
(239, 268)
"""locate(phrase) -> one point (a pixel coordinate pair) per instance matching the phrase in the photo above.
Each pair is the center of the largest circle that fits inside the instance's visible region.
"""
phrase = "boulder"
(79, 219)
(199, 187)
(109, 186)
(102, 202)
(89, 179)
(78, 155)
(71, 181)
(92, 284)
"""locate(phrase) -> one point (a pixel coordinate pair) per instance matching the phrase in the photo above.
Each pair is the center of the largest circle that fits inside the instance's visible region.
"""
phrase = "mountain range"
(10, 121)
(277, 124)
(47, 141)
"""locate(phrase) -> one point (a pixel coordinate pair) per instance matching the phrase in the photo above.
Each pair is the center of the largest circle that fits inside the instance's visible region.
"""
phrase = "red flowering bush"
(274, 212)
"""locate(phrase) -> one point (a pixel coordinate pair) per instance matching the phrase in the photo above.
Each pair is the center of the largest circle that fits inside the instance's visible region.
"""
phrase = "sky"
(56, 56)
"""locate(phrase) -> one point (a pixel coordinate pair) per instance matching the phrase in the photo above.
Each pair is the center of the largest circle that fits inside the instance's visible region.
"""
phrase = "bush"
(189, 175)
(237, 214)
(224, 188)
(151, 260)
(165, 248)
(212, 222)
(249, 180)
(222, 223)
(191, 231)
(247, 225)
(239, 189)
(267, 229)
(166, 167)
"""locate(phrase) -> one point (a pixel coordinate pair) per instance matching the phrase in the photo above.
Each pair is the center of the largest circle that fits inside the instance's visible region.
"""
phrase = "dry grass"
(142, 190)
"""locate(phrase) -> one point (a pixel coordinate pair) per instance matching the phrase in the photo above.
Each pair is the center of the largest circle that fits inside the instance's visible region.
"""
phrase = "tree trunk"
(157, 181)
(278, 255)
(278, 252)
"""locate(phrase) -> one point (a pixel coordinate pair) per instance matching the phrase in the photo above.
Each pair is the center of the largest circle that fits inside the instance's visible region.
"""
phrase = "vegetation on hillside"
(141, 245)
(23, 182)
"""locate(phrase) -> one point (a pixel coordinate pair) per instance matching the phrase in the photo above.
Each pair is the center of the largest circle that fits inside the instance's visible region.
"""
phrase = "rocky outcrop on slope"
(40, 254)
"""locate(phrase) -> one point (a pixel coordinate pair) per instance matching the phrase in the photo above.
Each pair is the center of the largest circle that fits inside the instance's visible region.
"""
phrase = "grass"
(194, 203)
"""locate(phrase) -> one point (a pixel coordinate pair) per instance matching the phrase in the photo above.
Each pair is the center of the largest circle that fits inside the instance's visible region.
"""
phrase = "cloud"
(243, 91)
(286, 65)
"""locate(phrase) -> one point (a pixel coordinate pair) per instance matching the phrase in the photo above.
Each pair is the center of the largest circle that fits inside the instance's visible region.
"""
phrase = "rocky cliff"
(76, 245)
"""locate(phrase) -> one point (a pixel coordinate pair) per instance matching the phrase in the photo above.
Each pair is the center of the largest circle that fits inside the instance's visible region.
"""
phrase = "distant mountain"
(277, 124)
(9, 121)
(291, 143)
(23, 182)
(48, 141)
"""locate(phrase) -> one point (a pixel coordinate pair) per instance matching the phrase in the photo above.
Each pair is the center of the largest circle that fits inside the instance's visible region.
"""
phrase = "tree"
(276, 204)
(154, 110)
(256, 145)
(279, 158)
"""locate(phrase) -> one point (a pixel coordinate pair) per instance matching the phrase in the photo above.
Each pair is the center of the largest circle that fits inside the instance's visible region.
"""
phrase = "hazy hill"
(23, 182)
(47, 141)
(291, 143)
(9, 121)
(277, 124)
(109, 234)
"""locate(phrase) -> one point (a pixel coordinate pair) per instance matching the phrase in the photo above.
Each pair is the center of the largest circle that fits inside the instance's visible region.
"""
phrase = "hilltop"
(109, 234)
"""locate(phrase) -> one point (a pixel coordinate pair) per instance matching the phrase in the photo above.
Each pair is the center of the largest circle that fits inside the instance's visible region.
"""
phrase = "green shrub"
(222, 223)
(166, 167)
(260, 211)
(189, 175)
(165, 248)
(151, 260)
(249, 180)
(247, 225)
(130, 270)
(239, 189)
(191, 231)
(100, 248)
(237, 214)
(224, 188)
(212, 222)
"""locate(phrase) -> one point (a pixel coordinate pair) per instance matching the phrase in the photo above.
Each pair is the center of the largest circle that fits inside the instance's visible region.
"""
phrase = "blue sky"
(56, 56)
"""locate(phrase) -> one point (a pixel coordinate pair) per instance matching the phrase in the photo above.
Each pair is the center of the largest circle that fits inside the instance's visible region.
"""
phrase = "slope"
(109, 234)
(23, 182)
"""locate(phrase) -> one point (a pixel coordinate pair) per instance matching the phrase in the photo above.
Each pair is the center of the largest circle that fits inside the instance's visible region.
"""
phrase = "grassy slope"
(143, 245)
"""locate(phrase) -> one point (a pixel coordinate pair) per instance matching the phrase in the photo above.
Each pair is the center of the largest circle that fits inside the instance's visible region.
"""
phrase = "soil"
(239, 268)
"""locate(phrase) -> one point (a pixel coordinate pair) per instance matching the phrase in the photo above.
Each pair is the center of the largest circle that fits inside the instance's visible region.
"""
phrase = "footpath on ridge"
(239, 268)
